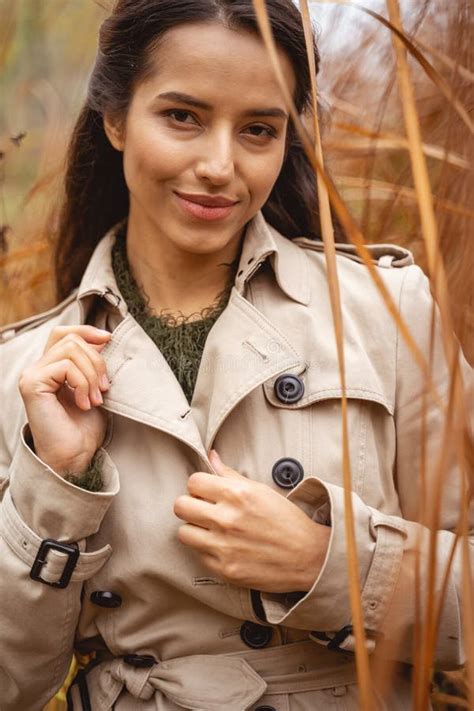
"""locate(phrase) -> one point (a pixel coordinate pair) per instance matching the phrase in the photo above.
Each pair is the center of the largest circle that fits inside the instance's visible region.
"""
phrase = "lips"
(208, 200)
(205, 207)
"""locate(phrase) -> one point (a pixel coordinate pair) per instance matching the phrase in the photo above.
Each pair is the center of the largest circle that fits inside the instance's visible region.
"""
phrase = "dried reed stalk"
(382, 190)
(7, 28)
(422, 181)
(424, 655)
(447, 61)
(392, 141)
(437, 272)
(434, 75)
(327, 232)
(350, 227)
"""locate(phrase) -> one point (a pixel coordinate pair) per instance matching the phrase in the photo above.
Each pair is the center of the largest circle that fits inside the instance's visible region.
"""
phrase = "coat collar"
(242, 351)
(287, 259)
(261, 242)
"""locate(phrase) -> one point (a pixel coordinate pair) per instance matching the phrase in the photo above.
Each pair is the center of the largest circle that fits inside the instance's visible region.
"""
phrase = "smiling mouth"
(205, 207)
(208, 200)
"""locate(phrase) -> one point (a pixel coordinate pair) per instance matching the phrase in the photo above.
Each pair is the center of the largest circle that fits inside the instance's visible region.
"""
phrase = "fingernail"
(214, 455)
(98, 395)
(104, 382)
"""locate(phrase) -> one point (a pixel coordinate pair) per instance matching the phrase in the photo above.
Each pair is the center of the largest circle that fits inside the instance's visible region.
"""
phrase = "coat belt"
(206, 682)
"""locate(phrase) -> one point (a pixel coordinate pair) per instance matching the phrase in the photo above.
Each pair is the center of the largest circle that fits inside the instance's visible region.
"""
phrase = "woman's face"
(210, 123)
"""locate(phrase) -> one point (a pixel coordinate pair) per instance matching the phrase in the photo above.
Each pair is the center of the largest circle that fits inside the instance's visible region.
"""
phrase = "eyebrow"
(198, 104)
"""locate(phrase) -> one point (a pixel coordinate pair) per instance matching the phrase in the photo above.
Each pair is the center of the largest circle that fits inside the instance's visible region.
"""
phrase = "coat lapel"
(242, 351)
(143, 386)
(245, 348)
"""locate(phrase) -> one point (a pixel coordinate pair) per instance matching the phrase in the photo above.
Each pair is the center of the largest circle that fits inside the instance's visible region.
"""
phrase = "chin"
(202, 240)
(200, 248)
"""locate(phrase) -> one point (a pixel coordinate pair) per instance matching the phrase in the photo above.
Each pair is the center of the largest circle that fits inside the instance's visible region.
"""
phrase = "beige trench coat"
(208, 654)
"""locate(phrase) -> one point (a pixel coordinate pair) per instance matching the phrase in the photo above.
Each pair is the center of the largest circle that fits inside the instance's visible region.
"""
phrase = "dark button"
(142, 661)
(265, 708)
(287, 472)
(289, 388)
(103, 598)
(255, 636)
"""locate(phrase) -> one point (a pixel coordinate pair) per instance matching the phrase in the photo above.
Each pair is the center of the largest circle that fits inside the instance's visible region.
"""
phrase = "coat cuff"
(51, 506)
(325, 609)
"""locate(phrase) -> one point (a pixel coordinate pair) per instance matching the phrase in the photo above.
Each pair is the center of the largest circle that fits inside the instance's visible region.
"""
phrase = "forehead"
(203, 59)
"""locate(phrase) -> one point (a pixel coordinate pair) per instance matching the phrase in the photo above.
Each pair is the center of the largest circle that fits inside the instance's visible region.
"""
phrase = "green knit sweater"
(180, 340)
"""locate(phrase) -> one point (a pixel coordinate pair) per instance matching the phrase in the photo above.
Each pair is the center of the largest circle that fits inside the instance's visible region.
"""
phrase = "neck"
(173, 279)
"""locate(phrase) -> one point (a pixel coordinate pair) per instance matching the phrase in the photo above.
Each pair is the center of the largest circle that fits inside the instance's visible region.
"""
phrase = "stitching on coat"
(246, 385)
(248, 310)
(151, 421)
(337, 395)
(255, 350)
(397, 340)
(113, 375)
(203, 580)
(146, 420)
(305, 270)
(229, 633)
(57, 676)
(6, 524)
(311, 441)
(123, 328)
(354, 390)
(363, 416)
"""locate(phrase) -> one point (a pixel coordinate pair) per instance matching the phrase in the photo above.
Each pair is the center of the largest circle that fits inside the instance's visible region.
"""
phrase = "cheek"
(263, 171)
(151, 152)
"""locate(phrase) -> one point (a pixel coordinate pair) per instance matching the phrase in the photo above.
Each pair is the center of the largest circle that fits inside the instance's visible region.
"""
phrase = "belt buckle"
(339, 637)
(71, 550)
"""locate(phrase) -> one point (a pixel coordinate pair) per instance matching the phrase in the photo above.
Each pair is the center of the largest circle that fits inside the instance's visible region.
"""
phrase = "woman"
(192, 359)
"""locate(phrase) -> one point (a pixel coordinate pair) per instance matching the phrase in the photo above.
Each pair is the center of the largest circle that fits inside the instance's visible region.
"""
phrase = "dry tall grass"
(397, 139)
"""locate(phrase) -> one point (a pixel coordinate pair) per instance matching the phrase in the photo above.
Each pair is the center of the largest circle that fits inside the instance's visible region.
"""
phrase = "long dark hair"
(96, 194)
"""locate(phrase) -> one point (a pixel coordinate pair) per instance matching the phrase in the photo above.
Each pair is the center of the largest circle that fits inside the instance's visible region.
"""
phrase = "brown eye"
(261, 131)
(179, 115)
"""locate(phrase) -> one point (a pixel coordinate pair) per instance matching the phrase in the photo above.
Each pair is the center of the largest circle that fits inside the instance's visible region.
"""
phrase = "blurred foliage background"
(47, 50)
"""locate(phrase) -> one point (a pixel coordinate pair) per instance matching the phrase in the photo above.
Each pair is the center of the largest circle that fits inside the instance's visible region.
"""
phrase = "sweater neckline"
(138, 301)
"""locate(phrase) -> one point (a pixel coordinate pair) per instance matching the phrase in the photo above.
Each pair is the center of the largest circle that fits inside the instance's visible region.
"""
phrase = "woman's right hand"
(62, 393)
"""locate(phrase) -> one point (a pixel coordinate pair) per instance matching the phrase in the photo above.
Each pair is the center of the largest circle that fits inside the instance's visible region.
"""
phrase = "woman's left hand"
(248, 534)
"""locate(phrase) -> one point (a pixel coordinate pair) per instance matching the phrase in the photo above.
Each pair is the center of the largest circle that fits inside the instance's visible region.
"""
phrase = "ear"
(114, 132)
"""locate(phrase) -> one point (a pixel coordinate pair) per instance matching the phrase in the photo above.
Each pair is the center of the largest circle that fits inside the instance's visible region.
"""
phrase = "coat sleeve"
(38, 619)
(388, 545)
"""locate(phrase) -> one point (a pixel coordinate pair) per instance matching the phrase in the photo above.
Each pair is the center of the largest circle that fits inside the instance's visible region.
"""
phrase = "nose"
(216, 163)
